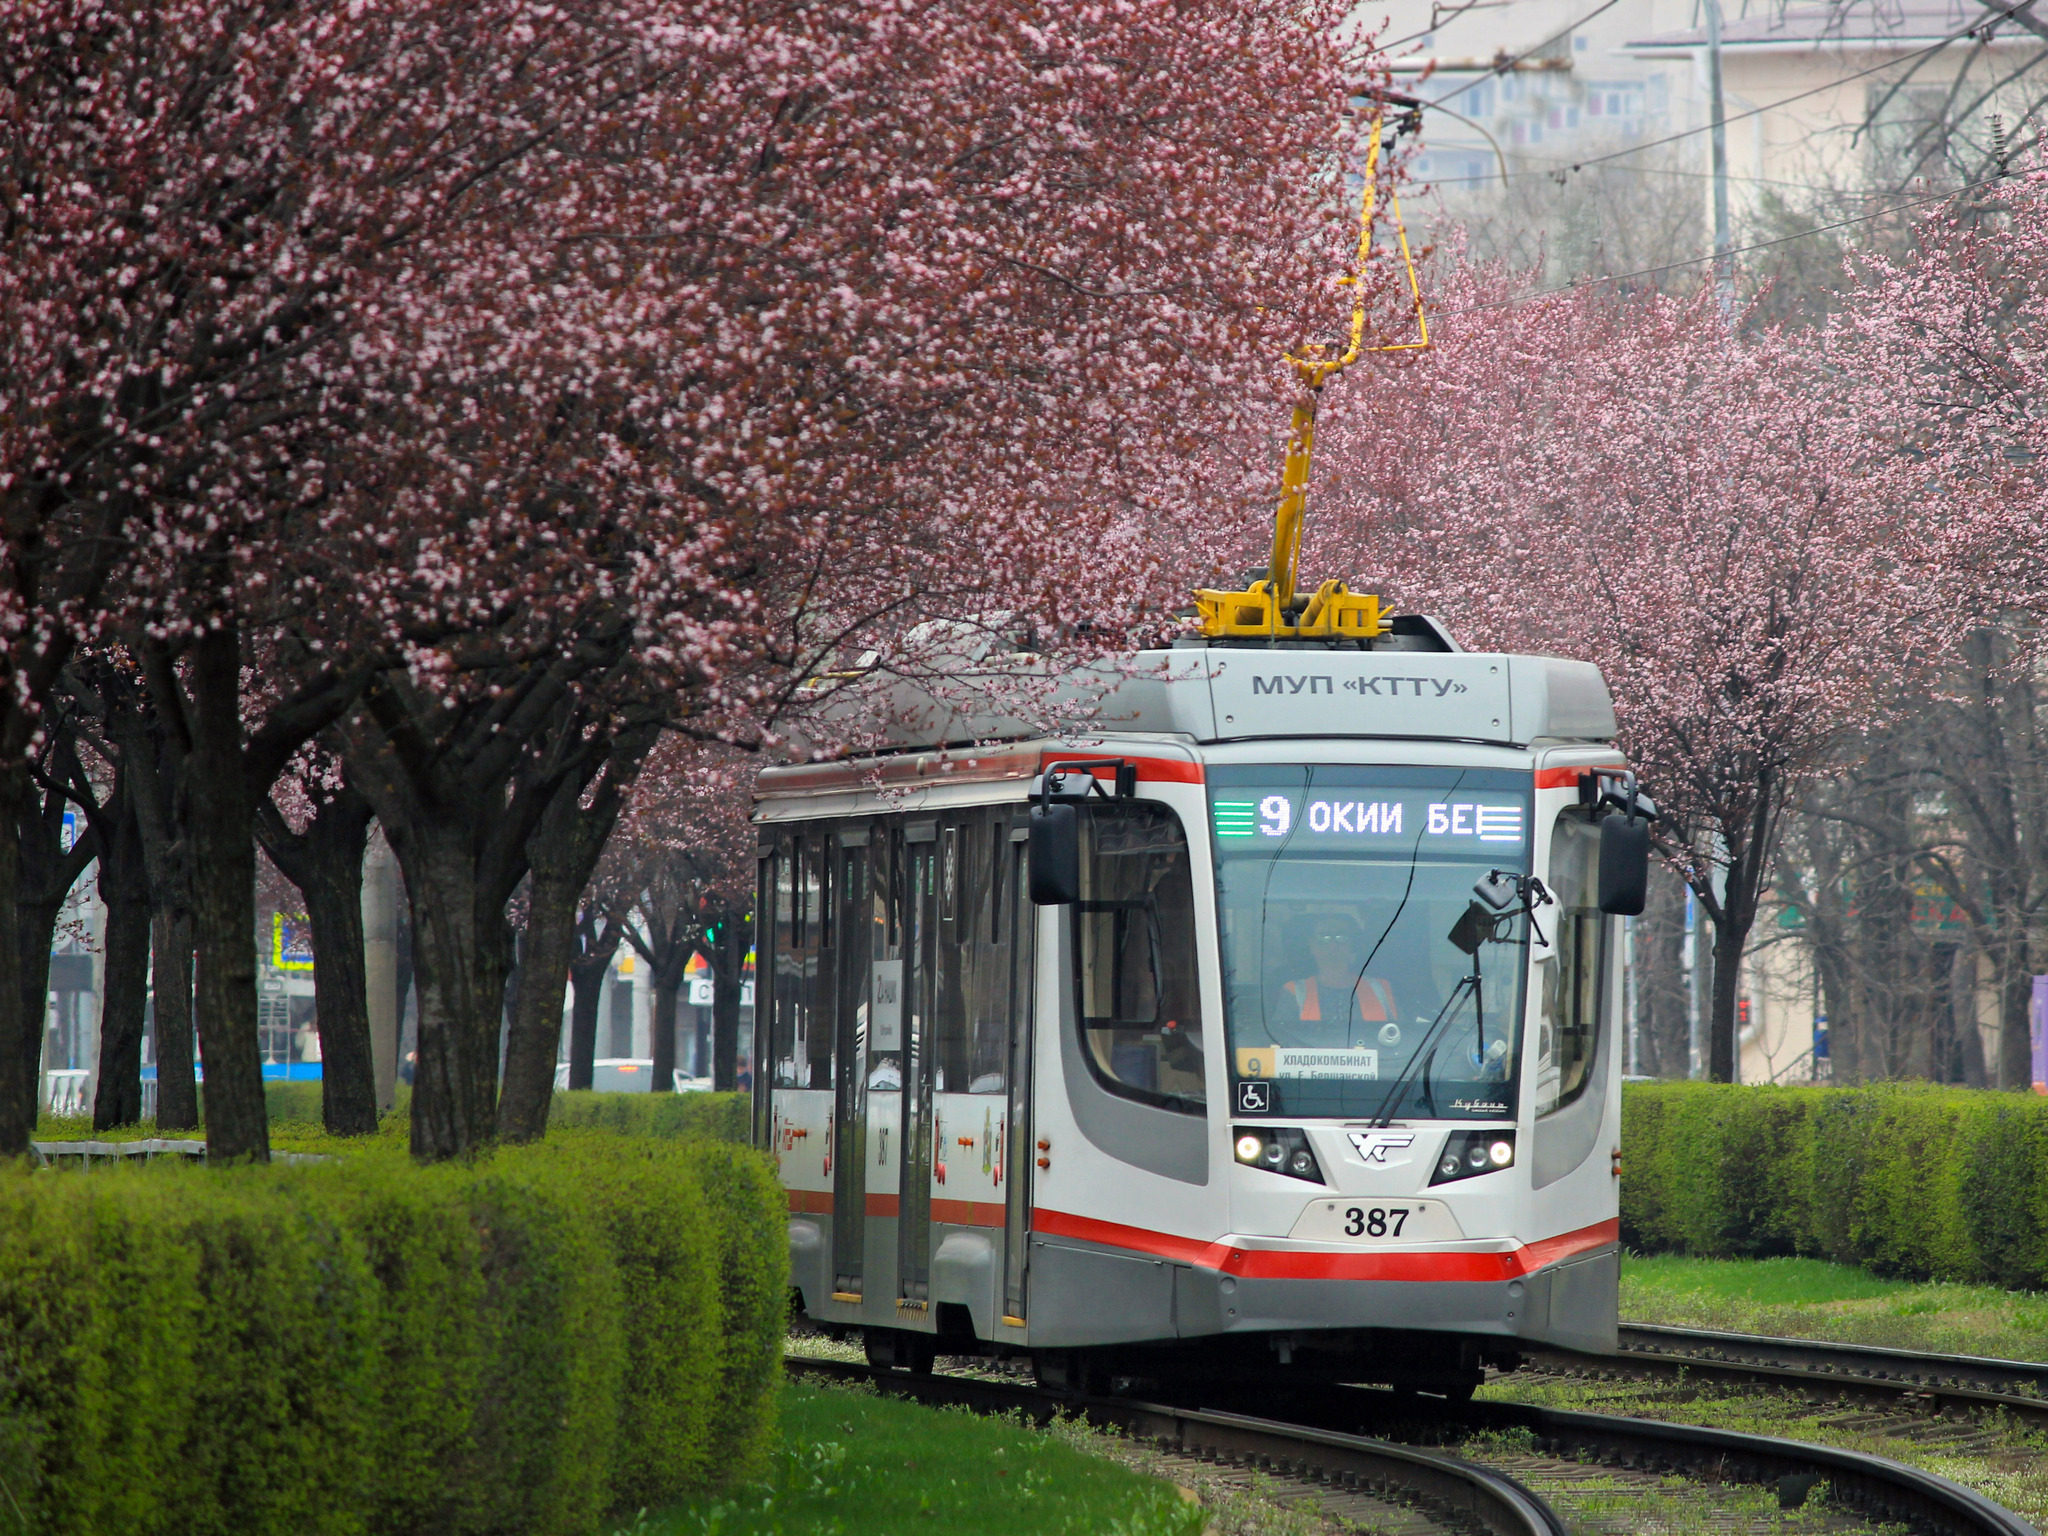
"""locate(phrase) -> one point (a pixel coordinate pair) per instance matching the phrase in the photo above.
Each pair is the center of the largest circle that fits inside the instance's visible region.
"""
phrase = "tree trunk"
(35, 930)
(1962, 992)
(2015, 1019)
(1723, 1045)
(728, 961)
(1660, 977)
(223, 837)
(44, 871)
(326, 863)
(460, 961)
(341, 1003)
(663, 1046)
(1733, 916)
(124, 989)
(529, 1087)
(586, 975)
(459, 789)
(21, 1029)
(170, 967)
(562, 852)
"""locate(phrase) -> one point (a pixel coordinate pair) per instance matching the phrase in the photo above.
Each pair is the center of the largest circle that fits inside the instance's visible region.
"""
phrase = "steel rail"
(1320, 1439)
(1864, 1371)
(1444, 1485)
(1875, 1485)
(1818, 1356)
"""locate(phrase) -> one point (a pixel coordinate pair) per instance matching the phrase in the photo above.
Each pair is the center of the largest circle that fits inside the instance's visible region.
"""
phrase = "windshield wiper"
(1382, 1113)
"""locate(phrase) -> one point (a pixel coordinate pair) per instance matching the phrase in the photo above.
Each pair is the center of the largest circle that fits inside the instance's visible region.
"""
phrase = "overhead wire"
(1480, 77)
(1504, 65)
(1673, 138)
(1558, 166)
(1438, 23)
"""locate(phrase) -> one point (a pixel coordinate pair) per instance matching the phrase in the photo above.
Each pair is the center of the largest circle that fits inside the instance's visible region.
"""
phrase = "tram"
(1267, 1029)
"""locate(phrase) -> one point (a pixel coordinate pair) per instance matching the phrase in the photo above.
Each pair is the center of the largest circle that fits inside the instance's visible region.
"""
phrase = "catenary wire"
(1635, 149)
(1505, 65)
(1917, 54)
(1556, 167)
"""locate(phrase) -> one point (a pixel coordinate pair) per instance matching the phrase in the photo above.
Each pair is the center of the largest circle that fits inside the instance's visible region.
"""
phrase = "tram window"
(801, 1026)
(855, 931)
(952, 984)
(989, 991)
(1572, 992)
(972, 995)
(998, 842)
(1135, 980)
(820, 1035)
(885, 963)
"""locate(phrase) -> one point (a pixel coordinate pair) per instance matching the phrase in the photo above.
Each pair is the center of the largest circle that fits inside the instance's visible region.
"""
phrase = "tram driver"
(1338, 1003)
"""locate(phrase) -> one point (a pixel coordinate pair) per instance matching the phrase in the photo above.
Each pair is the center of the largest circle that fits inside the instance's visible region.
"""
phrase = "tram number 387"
(1412, 1221)
(1375, 1221)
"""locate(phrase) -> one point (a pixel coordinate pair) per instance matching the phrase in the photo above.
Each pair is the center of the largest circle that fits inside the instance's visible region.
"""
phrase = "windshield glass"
(1338, 889)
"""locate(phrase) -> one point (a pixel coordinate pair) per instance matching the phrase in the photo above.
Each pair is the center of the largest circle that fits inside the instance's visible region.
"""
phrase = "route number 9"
(1276, 815)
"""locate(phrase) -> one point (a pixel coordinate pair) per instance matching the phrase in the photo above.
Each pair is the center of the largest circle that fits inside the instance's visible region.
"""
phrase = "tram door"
(850, 879)
(914, 1206)
(1019, 1150)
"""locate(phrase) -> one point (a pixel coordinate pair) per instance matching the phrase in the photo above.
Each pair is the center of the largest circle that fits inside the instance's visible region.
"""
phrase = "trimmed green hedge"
(524, 1345)
(1902, 1178)
(719, 1116)
(289, 1103)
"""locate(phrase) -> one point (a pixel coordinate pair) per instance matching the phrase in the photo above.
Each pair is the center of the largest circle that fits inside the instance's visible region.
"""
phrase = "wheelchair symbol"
(1253, 1098)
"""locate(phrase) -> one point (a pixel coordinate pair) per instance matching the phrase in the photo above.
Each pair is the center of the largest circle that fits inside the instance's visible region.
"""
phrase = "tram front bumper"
(1572, 1303)
(1094, 1294)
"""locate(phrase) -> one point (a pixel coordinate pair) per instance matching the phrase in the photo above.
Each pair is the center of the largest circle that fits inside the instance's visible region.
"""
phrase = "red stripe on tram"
(1568, 778)
(1151, 770)
(1279, 1264)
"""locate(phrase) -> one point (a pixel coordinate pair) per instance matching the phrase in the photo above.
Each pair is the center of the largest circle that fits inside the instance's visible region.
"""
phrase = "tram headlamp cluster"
(1468, 1154)
(1278, 1149)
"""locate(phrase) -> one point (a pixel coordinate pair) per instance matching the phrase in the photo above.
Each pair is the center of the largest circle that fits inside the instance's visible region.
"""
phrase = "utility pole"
(1692, 985)
(1724, 266)
(380, 965)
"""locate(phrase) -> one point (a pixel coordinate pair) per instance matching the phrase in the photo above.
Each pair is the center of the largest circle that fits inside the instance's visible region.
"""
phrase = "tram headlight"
(1278, 1149)
(1467, 1154)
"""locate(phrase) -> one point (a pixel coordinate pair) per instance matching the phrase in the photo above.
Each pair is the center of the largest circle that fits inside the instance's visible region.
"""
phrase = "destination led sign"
(1250, 821)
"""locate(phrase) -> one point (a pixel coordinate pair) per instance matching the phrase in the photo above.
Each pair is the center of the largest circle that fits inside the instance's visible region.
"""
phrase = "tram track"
(1384, 1481)
(1879, 1488)
(1912, 1381)
(1356, 1444)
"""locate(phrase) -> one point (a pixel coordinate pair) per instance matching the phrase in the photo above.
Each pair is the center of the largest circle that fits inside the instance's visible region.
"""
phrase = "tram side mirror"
(1624, 865)
(1055, 854)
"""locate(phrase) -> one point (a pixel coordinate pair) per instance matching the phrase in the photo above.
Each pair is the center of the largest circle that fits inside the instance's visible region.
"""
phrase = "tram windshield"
(1338, 888)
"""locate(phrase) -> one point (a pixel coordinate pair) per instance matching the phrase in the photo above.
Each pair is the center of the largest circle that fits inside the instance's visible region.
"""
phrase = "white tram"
(1302, 1062)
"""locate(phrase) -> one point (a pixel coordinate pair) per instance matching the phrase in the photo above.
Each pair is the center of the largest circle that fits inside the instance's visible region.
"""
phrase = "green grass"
(852, 1463)
(1810, 1298)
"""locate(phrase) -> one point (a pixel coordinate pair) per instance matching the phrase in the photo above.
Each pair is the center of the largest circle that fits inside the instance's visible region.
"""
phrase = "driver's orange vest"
(1375, 999)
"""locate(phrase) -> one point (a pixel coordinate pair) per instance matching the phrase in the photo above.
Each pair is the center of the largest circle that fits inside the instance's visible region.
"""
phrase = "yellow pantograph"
(1270, 607)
